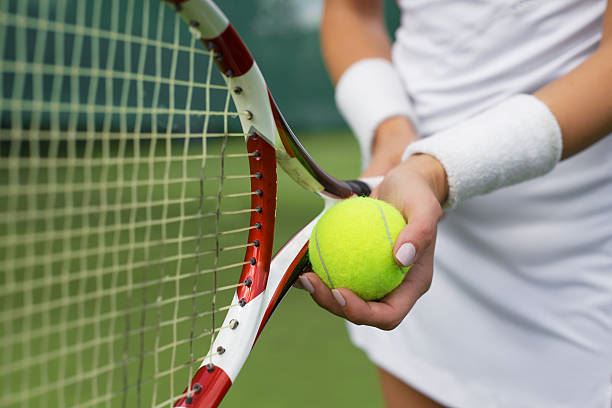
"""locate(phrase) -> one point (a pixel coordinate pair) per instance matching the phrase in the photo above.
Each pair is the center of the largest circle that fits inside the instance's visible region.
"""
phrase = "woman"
(495, 114)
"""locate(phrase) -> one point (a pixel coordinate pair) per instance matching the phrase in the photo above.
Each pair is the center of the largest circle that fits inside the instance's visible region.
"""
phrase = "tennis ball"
(352, 247)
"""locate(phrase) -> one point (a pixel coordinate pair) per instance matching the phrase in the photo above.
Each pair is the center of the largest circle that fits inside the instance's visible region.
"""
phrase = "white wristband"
(369, 92)
(514, 141)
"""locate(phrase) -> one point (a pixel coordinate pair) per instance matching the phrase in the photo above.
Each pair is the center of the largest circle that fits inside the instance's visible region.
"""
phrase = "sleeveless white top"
(520, 310)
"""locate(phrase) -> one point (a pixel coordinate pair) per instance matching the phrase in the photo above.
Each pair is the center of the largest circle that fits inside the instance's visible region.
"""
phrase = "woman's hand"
(416, 187)
(392, 137)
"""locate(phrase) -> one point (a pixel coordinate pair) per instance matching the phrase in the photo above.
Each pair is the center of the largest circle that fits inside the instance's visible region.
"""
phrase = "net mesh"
(124, 203)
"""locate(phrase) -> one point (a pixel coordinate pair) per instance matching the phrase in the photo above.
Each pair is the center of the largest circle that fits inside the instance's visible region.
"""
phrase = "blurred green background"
(283, 35)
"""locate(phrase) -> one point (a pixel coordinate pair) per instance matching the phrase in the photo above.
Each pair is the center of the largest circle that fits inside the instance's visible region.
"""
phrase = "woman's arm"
(581, 104)
(351, 31)
(582, 100)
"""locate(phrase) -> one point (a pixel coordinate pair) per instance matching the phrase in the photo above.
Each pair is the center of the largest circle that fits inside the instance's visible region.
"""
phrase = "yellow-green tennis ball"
(352, 247)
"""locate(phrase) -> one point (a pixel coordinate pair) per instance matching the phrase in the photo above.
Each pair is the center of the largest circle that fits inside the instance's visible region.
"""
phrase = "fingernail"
(339, 298)
(306, 284)
(405, 254)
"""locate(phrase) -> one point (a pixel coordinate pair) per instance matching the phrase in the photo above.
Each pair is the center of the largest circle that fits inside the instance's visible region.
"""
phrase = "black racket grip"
(359, 187)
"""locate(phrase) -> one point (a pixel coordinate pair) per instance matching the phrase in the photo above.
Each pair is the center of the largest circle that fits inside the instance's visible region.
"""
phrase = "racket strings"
(79, 299)
(65, 212)
(125, 201)
(44, 332)
(62, 213)
(96, 163)
(46, 258)
(111, 367)
(134, 331)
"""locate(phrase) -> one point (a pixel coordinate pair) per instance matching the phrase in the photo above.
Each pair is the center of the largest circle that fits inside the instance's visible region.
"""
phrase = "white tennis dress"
(520, 310)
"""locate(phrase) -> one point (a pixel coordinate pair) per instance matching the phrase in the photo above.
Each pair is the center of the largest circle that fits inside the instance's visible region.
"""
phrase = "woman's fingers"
(416, 236)
(305, 284)
(344, 303)
(321, 294)
(415, 285)
(375, 314)
(385, 314)
(389, 312)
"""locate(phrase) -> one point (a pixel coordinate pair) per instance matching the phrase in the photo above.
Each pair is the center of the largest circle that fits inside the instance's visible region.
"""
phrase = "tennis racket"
(138, 152)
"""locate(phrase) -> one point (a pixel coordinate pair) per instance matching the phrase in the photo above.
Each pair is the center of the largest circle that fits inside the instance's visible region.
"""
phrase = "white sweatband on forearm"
(369, 92)
(517, 140)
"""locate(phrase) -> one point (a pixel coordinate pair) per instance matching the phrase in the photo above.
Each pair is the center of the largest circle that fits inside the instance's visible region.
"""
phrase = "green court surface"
(304, 357)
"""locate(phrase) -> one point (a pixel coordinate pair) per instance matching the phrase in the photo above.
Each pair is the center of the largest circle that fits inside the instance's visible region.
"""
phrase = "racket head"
(138, 168)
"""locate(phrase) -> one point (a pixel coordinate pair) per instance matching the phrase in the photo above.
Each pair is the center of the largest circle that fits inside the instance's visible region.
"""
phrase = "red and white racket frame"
(270, 140)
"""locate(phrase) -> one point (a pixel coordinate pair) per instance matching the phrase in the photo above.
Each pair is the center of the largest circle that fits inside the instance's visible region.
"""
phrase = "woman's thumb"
(417, 235)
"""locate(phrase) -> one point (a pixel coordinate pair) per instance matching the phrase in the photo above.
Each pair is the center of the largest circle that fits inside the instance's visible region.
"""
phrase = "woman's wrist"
(514, 141)
(392, 136)
(432, 171)
(391, 139)
(369, 93)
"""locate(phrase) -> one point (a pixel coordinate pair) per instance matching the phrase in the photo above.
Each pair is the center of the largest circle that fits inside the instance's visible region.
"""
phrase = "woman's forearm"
(582, 101)
(352, 30)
